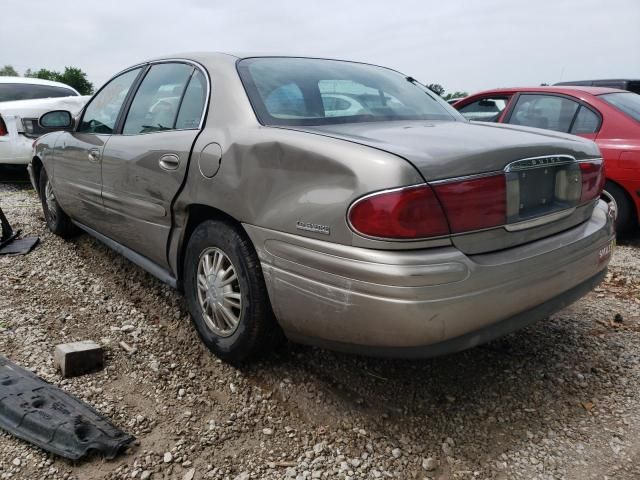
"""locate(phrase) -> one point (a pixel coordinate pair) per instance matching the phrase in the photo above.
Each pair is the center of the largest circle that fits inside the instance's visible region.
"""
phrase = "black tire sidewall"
(242, 343)
(58, 225)
(624, 221)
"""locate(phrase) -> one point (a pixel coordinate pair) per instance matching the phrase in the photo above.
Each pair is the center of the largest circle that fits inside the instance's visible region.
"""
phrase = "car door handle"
(94, 155)
(169, 162)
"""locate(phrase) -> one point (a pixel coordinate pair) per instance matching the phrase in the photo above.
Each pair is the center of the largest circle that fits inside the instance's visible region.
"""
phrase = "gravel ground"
(560, 399)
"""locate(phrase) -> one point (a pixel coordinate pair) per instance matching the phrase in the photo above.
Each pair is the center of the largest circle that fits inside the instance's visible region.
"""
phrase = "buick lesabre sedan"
(339, 203)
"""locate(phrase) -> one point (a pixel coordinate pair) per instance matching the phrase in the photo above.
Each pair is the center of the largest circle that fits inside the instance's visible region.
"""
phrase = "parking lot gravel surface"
(560, 399)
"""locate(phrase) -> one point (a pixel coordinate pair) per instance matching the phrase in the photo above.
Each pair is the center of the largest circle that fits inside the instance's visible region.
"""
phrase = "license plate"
(606, 251)
(535, 192)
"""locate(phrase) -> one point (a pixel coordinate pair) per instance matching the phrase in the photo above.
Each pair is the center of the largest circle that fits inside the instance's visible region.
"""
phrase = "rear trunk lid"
(541, 168)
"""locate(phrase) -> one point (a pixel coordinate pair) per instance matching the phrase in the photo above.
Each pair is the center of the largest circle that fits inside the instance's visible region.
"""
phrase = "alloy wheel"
(50, 200)
(219, 292)
(607, 197)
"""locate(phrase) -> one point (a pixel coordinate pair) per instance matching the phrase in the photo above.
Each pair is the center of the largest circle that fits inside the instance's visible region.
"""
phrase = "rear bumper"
(426, 302)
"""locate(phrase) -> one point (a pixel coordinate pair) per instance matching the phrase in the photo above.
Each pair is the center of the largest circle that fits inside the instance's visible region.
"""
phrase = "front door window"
(101, 114)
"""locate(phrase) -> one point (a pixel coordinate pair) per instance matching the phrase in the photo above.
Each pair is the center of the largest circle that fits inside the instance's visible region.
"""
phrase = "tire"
(214, 247)
(625, 220)
(57, 221)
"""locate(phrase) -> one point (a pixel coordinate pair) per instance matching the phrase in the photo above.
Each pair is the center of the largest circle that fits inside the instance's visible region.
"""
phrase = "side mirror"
(56, 120)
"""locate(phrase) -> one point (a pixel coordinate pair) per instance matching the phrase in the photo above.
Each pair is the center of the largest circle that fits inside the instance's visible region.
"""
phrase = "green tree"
(8, 71)
(450, 96)
(43, 74)
(436, 88)
(72, 76)
(76, 78)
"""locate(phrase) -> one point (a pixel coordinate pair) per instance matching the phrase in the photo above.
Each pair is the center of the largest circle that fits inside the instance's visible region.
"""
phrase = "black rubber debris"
(35, 411)
(19, 246)
(10, 244)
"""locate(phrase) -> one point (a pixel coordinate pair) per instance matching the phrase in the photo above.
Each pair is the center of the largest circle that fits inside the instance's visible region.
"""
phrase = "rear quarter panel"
(273, 178)
(619, 142)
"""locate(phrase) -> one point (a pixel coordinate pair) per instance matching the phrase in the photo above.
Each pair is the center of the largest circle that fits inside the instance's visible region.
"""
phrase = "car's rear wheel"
(226, 293)
(57, 221)
(625, 219)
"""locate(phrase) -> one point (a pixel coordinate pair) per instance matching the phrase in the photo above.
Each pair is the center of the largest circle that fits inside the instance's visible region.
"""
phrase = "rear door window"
(551, 112)
(156, 103)
(193, 102)
(586, 122)
(486, 109)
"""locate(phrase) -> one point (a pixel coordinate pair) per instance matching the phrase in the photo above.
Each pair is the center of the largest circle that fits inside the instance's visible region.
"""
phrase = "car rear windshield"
(25, 91)
(628, 103)
(305, 91)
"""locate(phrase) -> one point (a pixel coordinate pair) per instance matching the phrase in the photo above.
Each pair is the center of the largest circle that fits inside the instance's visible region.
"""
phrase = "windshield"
(26, 91)
(305, 91)
(628, 103)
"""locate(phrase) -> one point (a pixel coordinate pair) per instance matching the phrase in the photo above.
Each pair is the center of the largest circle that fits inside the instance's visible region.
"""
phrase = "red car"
(610, 117)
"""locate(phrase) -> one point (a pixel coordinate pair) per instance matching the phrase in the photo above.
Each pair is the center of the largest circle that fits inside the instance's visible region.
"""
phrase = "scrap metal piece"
(9, 242)
(6, 232)
(35, 411)
(20, 246)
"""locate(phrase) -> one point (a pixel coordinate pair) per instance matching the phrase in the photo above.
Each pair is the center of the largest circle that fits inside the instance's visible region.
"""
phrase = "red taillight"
(3, 128)
(407, 213)
(474, 204)
(593, 179)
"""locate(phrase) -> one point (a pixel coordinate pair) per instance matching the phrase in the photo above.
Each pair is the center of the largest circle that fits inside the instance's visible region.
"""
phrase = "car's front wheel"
(226, 293)
(57, 221)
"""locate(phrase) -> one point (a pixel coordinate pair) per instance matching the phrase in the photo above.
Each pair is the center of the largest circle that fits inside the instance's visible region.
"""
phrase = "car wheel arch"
(196, 214)
(37, 166)
(635, 214)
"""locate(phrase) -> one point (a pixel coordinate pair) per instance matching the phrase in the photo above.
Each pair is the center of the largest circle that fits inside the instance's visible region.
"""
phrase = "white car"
(22, 101)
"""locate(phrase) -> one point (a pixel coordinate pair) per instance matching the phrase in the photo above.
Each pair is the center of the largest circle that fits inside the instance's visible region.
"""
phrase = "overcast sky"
(463, 45)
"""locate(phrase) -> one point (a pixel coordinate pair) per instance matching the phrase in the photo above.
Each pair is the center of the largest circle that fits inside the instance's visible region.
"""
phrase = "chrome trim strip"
(467, 177)
(204, 71)
(155, 62)
(512, 167)
(538, 221)
(586, 160)
(537, 162)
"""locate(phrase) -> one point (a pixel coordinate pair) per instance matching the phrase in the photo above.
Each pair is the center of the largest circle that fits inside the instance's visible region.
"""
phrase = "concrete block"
(78, 358)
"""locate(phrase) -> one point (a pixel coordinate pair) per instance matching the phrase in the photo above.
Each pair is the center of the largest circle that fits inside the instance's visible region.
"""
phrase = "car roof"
(568, 90)
(236, 55)
(215, 59)
(226, 57)
(34, 81)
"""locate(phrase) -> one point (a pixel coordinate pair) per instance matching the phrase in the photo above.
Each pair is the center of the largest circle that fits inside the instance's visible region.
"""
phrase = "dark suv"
(622, 84)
